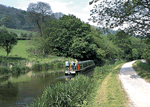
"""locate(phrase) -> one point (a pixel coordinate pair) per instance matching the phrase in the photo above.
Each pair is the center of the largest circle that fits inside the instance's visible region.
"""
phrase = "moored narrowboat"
(81, 67)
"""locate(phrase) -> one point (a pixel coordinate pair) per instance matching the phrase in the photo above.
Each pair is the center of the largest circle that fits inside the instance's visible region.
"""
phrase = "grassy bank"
(109, 92)
(142, 69)
(103, 89)
(17, 31)
(20, 56)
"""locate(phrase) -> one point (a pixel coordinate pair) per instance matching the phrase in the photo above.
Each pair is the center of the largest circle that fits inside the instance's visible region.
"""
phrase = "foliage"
(134, 54)
(66, 94)
(4, 70)
(129, 48)
(8, 21)
(15, 18)
(37, 67)
(7, 41)
(16, 70)
(142, 69)
(25, 69)
(146, 54)
(111, 14)
(39, 13)
(66, 37)
(45, 66)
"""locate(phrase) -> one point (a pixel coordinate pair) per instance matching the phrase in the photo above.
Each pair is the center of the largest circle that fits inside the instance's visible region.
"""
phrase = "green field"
(18, 32)
(19, 53)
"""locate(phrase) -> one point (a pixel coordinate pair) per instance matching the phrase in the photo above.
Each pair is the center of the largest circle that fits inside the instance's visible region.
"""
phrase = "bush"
(14, 34)
(59, 64)
(146, 54)
(37, 67)
(24, 69)
(22, 38)
(45, 66)
(16, 70)
(4, 70)
(51, 65)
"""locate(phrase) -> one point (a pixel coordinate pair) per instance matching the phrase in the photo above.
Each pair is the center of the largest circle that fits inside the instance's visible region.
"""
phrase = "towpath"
(138, 89)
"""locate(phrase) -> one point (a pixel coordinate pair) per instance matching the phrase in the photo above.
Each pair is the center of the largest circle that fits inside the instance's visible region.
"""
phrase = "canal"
(24, 93)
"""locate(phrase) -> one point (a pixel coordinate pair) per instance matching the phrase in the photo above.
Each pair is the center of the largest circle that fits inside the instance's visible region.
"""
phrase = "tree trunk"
(7, 55)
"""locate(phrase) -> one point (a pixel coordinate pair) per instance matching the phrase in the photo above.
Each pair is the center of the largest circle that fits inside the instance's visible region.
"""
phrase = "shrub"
(16, 70)
(146, 54)
(37, 67)
(45, 66)
(51, 65)
(24, 69)
(59, 64)
(4, 70)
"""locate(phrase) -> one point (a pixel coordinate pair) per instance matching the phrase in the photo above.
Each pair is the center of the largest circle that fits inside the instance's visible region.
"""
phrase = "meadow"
(19, 53)
(18, 31)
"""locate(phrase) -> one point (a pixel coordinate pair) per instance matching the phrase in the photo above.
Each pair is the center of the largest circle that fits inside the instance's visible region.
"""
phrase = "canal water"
(24, 93)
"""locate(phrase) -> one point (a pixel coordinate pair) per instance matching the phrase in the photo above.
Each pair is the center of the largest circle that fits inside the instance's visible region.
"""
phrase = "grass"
(142, 69)
(18, 32)
(19, 53)
(109, 92)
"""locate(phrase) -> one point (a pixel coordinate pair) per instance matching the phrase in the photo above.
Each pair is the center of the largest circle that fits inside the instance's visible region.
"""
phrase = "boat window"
(84, 65)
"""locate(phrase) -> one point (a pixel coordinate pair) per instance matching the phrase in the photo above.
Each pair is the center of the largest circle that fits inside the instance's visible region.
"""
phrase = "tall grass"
(68, 94)
(142, 69)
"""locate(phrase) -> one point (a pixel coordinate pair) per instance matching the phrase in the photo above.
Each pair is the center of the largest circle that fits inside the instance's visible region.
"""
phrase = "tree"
(7, 41)
(8, 21)
(111, 14)
(39, 13)
(146, 53)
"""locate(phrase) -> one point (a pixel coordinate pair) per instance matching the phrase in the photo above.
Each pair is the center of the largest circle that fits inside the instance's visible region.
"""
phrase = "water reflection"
(24, 93)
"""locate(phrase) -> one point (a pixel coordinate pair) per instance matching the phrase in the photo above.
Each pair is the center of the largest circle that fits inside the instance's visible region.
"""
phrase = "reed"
(68, 94)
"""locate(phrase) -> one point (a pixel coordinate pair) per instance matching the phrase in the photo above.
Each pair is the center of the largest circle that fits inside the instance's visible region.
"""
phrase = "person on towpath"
(72, 65)
(67, 64)
(76, 64)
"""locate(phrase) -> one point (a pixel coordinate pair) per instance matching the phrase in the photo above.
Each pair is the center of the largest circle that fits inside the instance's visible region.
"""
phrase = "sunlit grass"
(142, 69)
(19, 53)
(109, 92)
(18, 50)
(17, 31)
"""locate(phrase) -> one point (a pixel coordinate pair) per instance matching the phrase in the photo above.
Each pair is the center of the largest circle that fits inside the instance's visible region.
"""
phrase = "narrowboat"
(81, 67)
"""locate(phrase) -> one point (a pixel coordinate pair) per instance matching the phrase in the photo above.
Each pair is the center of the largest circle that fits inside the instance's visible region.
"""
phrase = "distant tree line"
(15, 18)
(27, 20)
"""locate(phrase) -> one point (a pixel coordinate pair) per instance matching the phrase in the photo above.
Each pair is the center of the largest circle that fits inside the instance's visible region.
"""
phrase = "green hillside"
(18, 32)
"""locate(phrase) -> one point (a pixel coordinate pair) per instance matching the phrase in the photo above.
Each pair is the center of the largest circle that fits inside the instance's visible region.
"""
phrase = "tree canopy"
(111, 14)
(39, 13)
(7, 41)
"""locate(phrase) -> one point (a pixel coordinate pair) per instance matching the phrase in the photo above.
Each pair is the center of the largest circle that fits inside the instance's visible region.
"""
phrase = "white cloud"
(79, 10)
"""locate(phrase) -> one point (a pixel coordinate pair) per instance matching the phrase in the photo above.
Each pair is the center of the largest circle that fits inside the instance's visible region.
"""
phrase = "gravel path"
(137, 88)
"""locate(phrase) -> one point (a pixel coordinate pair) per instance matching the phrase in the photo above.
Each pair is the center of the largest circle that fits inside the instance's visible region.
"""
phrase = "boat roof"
(85, 61)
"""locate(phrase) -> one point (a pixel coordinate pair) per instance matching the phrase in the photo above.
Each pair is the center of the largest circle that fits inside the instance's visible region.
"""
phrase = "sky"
(79, 8)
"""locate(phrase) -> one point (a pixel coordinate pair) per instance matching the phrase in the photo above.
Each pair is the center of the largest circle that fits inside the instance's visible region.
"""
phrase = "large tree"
(39, 12)
(7, 41)
(114, 13)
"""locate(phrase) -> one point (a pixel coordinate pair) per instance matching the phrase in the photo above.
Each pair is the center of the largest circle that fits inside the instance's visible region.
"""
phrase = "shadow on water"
(24, 93)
